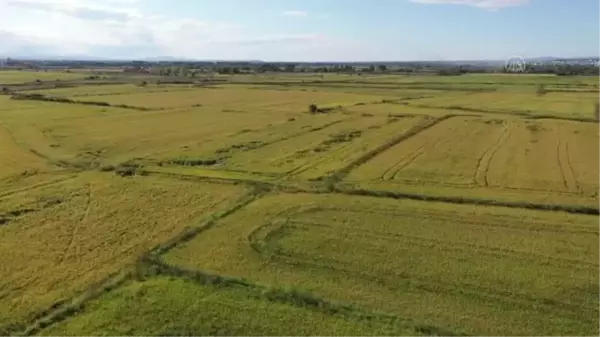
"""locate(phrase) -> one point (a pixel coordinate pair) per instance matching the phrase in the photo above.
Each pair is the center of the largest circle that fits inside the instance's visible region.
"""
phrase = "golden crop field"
(401, 205)
(544, 160)
(319, 153)
(237, 99)
(58, 239)
(563, 104)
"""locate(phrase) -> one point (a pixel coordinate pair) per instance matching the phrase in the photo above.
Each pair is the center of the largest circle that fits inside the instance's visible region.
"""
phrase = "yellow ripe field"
(404, 205)
(57, 240)
(234, 99)
(320, 153)
(513, 159)
(563, 104)
(481, 270)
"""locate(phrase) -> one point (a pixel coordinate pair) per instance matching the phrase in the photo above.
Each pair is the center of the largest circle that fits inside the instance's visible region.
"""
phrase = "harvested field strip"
(430, 269)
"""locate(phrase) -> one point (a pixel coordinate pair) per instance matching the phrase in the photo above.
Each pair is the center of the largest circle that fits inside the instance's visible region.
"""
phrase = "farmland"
(401, 205)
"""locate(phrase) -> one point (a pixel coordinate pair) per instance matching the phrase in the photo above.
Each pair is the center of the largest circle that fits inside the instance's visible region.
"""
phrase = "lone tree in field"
(313, 108)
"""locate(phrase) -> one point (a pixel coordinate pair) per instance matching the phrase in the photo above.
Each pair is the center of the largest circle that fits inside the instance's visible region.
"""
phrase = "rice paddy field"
(16, 77)
(404, 205)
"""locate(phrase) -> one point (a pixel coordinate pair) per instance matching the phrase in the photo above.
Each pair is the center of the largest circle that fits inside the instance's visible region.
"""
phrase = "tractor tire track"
(415, 130)
(411, 160)
(481, 172)
(559, 159)
(77, 225)
(566, 166)
(411, 157)
(571, 169)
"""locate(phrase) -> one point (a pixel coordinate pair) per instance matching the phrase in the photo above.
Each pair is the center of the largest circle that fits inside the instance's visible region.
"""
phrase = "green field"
(407, 205)
(16, 77)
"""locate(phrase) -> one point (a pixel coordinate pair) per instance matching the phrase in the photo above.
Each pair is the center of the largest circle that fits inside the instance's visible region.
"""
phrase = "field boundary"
(55, 99)
(63, 309)
(575, 209)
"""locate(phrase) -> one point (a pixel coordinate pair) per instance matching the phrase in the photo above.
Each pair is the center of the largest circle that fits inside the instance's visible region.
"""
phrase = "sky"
(300, 30)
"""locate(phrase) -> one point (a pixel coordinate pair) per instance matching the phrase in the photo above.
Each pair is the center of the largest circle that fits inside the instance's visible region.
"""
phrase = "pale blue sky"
(294, 30)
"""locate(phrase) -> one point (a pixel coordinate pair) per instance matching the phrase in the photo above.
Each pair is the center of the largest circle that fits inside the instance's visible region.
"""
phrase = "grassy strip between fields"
(575, 209)
(67, 308)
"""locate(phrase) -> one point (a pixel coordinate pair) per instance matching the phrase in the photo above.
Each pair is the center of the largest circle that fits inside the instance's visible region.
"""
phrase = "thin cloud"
(295, 13)
(485, 4)
(83, 9)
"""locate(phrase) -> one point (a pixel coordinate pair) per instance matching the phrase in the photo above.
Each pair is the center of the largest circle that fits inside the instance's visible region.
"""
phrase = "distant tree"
(175, 71)
(290, 68)
(382, 68)
(371, 68)
(184, 71)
